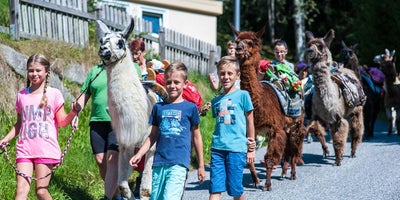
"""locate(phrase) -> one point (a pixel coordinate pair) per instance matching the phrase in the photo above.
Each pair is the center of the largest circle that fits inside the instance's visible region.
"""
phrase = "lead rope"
(54, 168)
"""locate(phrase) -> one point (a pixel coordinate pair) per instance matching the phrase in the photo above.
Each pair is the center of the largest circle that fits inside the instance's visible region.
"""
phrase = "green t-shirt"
(96, 84)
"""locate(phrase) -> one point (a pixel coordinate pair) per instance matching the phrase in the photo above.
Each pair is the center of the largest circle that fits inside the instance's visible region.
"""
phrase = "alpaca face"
(318, 48)
(112, 48)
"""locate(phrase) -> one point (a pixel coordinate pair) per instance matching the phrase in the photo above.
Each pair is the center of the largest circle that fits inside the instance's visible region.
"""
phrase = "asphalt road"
(373, 174)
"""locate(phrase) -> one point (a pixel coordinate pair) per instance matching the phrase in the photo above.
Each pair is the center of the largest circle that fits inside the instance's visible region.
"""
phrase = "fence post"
(14, 19)
(211, 61)
(161, 43)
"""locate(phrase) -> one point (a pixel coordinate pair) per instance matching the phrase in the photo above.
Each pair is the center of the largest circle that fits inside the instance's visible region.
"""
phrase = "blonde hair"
(177, 67)
(229, 60)
(42, 60)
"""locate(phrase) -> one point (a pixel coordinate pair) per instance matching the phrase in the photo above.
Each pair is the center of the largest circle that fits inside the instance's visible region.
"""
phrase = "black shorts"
(102, 137)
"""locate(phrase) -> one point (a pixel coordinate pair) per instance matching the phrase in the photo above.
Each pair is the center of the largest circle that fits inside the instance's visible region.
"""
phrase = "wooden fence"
(68, 21)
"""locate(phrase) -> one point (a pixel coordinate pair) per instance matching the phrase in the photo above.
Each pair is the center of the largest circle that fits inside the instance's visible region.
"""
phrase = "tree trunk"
(299, 28)
(271, 19)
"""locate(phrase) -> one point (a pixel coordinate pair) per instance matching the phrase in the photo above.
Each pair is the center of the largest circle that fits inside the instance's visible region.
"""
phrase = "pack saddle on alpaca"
(129, 105)
(330, 108)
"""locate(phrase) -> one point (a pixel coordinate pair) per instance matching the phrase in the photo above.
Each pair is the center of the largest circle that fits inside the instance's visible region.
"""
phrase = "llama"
(392, 88)
(371, 80)
(285, 134)
(329, 107)
(129, 105)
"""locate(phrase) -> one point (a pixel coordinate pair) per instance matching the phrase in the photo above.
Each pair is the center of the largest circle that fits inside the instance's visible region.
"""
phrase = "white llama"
(129, 105)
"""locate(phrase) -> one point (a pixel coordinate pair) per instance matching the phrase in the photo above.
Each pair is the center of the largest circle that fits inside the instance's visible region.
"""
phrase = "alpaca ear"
(128, 30)
(236, 32)
(392, 54)
(328, 38)
(387, 52)
(309, 35)
(101, 29)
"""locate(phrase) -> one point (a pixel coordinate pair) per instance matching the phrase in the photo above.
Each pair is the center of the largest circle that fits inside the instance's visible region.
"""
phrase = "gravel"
(373, 174)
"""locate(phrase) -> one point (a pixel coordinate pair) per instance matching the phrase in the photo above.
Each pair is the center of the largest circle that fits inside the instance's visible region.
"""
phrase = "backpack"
(351, 88)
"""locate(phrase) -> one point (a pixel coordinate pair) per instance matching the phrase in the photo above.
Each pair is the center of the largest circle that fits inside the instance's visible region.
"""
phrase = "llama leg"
(388, 111)
(356, 130)
(124, 171)
(253, 173)
(339, 133)
(276, 145)
(297, 145)
(145, 186)
(318, 131)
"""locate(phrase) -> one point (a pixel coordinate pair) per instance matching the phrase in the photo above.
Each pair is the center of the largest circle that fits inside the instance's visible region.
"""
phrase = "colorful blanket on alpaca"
(290, 101)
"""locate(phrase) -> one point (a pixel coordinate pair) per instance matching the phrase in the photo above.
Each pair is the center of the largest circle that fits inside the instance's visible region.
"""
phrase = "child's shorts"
(38, 160)
(168, 182)
(227, 172)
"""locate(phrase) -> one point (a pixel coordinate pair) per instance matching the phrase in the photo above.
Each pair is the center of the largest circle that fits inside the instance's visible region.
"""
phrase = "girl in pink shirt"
(40, 110)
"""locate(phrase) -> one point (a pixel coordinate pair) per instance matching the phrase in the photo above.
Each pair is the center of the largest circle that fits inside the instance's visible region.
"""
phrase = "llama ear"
(392, 54)
(354, 46)
(128, 30)
(236, 32)
(343, 44)
(309, 35)
(329, 37)
(260, 32)
(101, 29)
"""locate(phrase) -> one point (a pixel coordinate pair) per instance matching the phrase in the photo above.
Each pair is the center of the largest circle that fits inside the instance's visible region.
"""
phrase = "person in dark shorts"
(102, 138)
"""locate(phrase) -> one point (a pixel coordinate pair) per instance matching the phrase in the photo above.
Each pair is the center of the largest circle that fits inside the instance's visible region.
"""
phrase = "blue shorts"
(226, 172)
(168, 182)
(102, 137)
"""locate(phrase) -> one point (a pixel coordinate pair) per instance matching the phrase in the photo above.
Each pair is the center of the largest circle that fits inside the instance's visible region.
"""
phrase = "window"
(155, 19)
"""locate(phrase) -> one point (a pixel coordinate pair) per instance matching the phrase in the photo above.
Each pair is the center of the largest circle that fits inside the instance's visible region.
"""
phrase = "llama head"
(248, 43)
(348, 53)
(318, 48)
(388, 65)
(112, 44)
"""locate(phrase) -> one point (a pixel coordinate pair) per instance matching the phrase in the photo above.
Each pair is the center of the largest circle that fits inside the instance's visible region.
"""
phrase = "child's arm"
(13, 132)
(198, 145)
(251, 155)
(63, 118)
(148, 143)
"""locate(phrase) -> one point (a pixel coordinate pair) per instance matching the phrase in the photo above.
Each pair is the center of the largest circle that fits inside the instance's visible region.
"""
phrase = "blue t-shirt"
(230, 127)
(174, 122)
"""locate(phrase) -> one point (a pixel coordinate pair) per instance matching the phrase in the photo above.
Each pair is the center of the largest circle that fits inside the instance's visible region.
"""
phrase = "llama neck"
(248, 76)
(324, 86)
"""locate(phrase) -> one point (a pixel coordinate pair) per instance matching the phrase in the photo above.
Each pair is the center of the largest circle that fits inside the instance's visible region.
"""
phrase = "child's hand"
(201, 174)
(251, 144)
(251, 157)
(76, 107)
(134, 161)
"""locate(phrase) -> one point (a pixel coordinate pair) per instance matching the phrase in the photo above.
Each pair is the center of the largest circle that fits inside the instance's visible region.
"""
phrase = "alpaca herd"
(130, 104)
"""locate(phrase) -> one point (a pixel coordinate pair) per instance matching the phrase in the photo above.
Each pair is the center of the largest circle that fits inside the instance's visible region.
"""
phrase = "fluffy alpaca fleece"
(392, 88)
(285, 134)
(329, 108)
(129, 105)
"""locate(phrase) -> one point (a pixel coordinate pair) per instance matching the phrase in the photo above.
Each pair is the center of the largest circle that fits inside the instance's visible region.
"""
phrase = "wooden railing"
(68, 21)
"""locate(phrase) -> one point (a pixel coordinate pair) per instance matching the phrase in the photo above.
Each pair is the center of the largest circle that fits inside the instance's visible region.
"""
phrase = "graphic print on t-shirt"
(170, 124)
(34, 120)
(225, 110)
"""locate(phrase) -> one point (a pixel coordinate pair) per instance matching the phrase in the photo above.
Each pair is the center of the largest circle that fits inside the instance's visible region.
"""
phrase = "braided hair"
(42, 60)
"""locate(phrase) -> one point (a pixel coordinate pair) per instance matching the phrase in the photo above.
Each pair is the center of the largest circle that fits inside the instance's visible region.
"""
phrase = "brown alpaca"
(350, 59)
(329, 107)
(285, 134)
(392, 86)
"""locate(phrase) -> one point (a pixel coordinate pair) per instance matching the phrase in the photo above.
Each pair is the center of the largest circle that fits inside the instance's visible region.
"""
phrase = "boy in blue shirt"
(234, 131)
(175, 123)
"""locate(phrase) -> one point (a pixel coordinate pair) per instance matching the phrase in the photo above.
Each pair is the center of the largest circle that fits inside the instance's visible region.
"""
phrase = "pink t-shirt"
(38, 136)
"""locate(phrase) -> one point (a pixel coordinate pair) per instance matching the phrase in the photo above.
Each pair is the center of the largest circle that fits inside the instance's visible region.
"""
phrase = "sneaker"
(259, 141)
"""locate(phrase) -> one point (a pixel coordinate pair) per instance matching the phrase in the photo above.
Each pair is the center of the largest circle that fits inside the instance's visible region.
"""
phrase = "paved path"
(373, 174)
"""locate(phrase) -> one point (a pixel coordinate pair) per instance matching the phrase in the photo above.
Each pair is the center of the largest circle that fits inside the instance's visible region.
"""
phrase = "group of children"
(175, 127)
